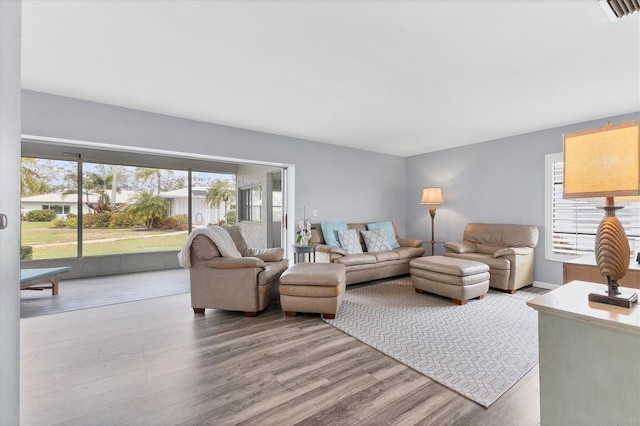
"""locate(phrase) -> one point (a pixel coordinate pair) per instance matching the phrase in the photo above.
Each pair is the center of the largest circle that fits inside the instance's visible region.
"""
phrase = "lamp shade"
(431, 195)
(603, 162)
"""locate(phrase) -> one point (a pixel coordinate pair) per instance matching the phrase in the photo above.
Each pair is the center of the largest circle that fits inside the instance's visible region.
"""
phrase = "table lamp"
(605, 162)
(432, 196)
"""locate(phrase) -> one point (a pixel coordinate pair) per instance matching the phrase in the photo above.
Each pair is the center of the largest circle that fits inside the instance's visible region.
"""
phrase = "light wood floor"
(155, 362)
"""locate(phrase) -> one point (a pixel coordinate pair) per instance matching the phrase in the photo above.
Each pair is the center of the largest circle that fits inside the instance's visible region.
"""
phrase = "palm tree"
(147, 206)
(31, 182)
(221, 192)
(147, 174)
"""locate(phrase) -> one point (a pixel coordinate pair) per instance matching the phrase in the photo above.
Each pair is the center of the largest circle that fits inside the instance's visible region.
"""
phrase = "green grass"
(130, 245)
(45, 233)
(116, 241)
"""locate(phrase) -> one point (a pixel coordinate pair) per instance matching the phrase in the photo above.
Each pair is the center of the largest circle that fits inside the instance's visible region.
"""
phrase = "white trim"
(549, 159)
(548, 286)
(141, 150)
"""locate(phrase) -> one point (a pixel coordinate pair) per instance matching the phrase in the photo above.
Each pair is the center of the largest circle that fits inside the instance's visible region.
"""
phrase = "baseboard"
(548, 286)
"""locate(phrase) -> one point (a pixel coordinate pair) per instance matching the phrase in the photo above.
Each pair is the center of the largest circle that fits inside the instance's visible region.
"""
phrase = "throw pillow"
(330, 232)
(388, 230)
(376, 241)
(349, 241)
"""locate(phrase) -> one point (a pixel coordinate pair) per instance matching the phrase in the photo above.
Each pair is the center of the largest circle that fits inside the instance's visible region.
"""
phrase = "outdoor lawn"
(49, 242)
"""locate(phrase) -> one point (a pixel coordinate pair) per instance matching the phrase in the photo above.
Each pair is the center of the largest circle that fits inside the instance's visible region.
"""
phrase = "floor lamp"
(432, 196)
(605, 162)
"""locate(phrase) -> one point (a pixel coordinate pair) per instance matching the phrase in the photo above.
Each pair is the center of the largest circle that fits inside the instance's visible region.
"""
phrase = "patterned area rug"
(479, 350)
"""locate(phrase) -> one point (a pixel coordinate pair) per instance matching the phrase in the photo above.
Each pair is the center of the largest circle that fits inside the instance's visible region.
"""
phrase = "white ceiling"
(397, 77)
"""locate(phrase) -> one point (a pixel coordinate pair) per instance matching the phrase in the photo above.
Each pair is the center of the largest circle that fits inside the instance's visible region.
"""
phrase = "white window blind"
(574, 223)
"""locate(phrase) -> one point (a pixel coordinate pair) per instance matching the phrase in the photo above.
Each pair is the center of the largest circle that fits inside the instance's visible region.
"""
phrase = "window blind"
(575, 222)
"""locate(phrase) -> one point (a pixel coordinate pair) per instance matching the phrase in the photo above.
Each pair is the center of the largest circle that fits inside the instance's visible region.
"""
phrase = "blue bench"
(31, 279)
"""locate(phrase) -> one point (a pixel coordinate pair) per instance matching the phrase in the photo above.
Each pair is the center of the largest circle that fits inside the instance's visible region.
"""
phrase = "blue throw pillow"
(330, 232)
(387, 227)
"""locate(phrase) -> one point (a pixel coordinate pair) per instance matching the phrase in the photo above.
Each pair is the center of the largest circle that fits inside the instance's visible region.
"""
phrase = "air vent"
(617, 9)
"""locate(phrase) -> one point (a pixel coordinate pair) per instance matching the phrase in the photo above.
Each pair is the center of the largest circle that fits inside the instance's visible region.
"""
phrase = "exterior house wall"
(250, 176)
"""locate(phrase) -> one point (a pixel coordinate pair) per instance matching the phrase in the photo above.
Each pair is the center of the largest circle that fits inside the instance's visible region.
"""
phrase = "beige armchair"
(245, 284)
(507, 249)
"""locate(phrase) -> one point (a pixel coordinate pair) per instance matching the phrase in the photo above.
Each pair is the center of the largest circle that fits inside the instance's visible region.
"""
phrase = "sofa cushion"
(386, 256)
(376, 241)
(330, 232)
(357, 259)
(494, 263)
(274, 254)
(349, 241)
(487, 249)
(271, 271)
(387, 227)
(359, 227)
(409, 252)
(460, 246)
(238, 239)
(503, 235)
(203, 248)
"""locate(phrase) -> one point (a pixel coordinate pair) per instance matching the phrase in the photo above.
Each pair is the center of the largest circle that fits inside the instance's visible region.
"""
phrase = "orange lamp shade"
(603, 162)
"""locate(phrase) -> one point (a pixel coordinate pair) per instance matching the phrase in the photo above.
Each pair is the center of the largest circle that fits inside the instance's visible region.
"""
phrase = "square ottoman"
(313, 287)
(457, 279)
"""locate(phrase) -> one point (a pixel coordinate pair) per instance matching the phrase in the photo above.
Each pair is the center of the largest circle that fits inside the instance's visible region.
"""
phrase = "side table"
(301, 250)
(433, 243)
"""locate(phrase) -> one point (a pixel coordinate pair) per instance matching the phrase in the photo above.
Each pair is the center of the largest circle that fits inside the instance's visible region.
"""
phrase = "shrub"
(89, 220)
(40, 215)
(183, 219)
(26, 252)
(96, 220)
(169, 223)
(122, 220)
(231, 217)
(69, 222)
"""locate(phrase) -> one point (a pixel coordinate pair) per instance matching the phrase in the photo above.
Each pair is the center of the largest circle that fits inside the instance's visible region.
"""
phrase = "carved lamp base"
(612, 258)
(625, 298)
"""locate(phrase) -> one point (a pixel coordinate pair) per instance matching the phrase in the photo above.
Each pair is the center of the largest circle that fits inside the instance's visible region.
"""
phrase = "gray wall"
(342, 184)
(500, 181)
(10, 206)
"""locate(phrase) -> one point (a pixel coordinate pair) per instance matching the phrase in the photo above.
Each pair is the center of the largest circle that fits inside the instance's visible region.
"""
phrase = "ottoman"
(458, 279)
(313, 287)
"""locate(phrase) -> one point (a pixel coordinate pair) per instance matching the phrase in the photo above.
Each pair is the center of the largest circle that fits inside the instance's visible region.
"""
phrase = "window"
(571, 225)
(57, 208)
(251, 204)
(122, 208)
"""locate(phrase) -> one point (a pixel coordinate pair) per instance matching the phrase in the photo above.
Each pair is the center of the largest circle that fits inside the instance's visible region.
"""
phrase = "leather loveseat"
(507, 249)
(368, 266)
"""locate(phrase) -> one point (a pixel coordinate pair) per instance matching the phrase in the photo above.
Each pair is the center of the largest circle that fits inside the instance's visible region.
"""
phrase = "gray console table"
(589, 358)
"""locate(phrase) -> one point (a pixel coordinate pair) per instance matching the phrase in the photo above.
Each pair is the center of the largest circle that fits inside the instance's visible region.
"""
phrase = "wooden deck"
(153, 362)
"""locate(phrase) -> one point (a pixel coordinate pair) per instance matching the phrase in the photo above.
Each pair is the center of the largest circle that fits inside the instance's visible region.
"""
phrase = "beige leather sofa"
(507, 249)
(244, 284)
(368, 266)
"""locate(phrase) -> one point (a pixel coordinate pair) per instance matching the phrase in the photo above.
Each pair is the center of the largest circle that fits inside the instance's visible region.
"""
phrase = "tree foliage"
(32, 180)
(146, 206)
(221, 192)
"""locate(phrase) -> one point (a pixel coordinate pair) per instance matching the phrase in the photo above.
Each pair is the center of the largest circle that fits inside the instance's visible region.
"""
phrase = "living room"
(498, 179)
